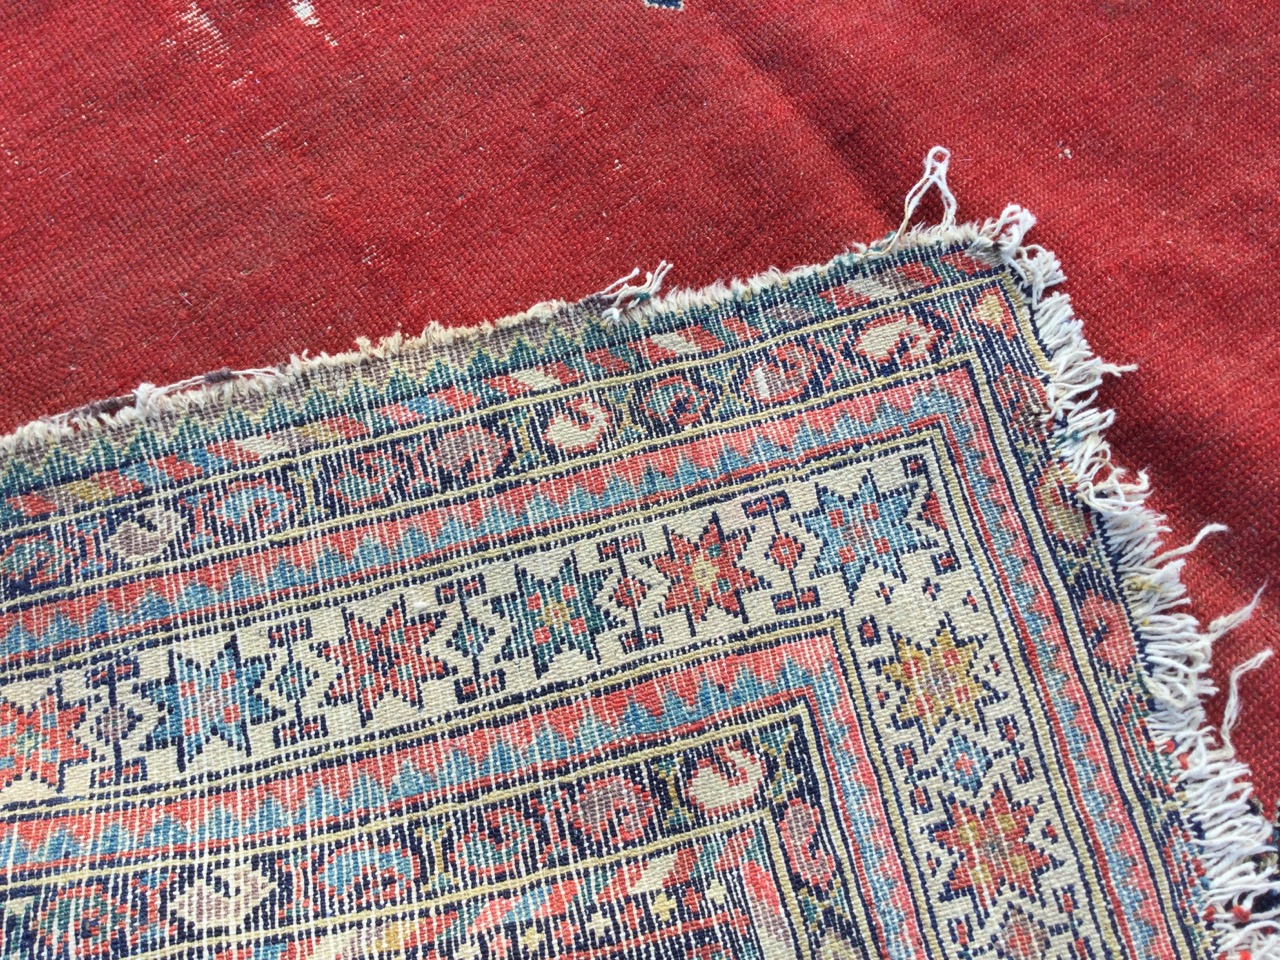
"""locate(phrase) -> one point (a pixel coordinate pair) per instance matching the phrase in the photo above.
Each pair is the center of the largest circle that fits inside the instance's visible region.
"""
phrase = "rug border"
(1212, 785)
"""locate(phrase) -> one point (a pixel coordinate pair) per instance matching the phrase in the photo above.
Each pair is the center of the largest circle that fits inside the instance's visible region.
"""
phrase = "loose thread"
(935, 175)
(1231, 714)
(624, 295)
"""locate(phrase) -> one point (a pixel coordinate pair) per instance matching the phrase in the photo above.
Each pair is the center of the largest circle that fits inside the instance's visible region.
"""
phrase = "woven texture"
(759, 624)
(191, 186)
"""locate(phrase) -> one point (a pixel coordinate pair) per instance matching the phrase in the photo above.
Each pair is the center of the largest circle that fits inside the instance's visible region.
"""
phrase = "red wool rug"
(186, 186)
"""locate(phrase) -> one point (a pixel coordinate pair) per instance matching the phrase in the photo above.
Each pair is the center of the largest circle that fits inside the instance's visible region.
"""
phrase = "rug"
(192, 184)
(803, 616)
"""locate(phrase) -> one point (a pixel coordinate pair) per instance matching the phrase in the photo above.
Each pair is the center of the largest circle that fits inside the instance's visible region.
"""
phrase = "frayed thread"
(1231, 712)
(148, 402)
(1213, 786)
(1233, 838)
(624, 296)
(1235, 841)
(936, 163)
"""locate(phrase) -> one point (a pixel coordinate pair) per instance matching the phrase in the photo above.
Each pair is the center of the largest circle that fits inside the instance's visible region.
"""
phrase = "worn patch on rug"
(801, 617)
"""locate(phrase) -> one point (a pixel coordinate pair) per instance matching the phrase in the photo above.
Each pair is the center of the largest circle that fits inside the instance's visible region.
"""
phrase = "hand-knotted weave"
(801, 617)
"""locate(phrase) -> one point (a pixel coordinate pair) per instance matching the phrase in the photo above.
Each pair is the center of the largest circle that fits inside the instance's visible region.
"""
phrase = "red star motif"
(389, 657)
(39, 741)
(992, 847)
(704, 573)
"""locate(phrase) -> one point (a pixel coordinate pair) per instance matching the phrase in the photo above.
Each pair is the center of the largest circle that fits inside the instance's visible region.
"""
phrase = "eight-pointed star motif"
(936, 680)
(202, 702)
(869, 529)
(389, 656)
(704, 573)
(992, 848)
(550, 616)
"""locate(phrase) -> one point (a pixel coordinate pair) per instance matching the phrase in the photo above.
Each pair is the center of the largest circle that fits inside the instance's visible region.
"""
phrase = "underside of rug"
(798, 617)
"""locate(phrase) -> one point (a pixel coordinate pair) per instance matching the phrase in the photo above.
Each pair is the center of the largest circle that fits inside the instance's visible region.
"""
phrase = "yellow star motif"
(936, 680)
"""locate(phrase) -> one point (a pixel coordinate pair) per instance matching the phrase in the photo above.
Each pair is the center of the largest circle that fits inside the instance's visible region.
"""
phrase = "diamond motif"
(964, 763)
(629, 593)
(785, 551)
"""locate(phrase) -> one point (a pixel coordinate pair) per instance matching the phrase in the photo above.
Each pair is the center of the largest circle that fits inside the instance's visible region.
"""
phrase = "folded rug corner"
(800, 616)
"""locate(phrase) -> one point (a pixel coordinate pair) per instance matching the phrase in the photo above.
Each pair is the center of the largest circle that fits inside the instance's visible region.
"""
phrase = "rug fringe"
(1213, 784)
(1177, 652)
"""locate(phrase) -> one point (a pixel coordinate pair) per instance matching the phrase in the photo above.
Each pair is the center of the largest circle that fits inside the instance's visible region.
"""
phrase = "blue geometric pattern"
(495, 735)
(871, 529)
(202, 702)
(551, 616)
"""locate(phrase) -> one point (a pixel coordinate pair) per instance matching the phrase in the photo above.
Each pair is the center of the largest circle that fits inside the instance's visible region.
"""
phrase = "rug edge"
(620, 300)
(1214, 786)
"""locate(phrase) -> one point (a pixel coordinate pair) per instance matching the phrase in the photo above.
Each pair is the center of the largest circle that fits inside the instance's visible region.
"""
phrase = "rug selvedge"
(765, 623)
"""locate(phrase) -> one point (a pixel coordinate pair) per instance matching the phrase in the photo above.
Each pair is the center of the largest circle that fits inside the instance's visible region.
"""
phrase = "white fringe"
(1212, 784)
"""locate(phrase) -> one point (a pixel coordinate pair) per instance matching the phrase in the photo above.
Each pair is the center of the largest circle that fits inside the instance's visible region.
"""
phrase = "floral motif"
(580, 425)
(246, 509)
(550, 616)
(803, 843)
(1024, 401)
(1065, 521)
(370, 478)
(1107, 632)
(936, 681)
(726, 781)
(82, 920)
(201, 702)
(1021, 936)
(783, 375)
(365, 873)
(676, 402)
(32, 561)
(472, 452)
(612, 811)
(901, 337)
(495, 842)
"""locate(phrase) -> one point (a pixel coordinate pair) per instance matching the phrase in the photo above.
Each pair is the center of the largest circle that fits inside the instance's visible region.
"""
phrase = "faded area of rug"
(795, 618)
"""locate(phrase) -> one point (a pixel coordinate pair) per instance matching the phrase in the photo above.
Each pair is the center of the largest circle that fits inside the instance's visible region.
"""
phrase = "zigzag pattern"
(317, 796)
(352, 555)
